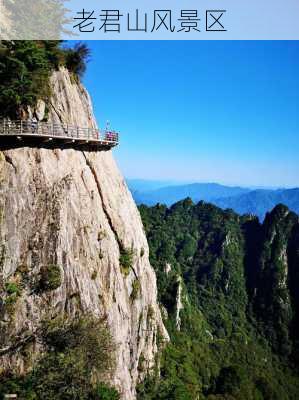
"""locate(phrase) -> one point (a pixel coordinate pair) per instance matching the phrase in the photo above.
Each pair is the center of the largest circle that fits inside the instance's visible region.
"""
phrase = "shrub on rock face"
(135, 289)
(126, 260)
(50, 277)
(12, 293)
(12, 288)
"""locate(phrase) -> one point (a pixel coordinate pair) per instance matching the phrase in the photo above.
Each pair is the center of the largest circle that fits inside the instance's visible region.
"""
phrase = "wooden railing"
(53, 130)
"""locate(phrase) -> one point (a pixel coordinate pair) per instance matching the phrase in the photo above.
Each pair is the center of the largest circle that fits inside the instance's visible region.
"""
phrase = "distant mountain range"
(242, 200)
(260, 201)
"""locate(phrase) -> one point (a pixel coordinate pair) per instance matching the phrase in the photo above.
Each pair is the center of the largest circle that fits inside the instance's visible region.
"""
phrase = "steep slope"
(72, 209)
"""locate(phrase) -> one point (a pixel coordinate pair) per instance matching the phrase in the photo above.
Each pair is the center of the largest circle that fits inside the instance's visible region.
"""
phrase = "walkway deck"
(50, 134)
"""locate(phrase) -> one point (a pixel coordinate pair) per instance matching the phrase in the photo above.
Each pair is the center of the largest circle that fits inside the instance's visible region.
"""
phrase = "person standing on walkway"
(34, 125)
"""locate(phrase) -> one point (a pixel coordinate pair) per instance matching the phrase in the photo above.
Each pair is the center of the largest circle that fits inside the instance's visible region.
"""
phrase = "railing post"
(21, 127)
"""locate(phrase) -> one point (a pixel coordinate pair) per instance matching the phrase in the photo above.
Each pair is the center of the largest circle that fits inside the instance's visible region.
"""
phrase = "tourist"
(34, 125)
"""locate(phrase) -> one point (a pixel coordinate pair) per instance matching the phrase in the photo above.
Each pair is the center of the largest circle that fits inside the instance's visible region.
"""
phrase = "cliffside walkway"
(51, 134)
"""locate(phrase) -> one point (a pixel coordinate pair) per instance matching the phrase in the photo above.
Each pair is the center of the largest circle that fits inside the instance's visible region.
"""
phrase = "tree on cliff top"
(26, 67)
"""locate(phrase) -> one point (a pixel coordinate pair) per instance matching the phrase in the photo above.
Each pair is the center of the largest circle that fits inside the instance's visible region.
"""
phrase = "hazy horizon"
(170, 182)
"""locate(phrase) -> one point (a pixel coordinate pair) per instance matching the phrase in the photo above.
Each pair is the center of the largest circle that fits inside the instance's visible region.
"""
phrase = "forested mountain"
(228, 286)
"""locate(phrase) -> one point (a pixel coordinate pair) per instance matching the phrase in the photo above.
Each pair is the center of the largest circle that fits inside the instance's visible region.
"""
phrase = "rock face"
(72, 209)
(179, 304)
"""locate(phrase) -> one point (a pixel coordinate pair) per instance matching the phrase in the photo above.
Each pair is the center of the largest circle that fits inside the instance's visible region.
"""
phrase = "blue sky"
(201, 110)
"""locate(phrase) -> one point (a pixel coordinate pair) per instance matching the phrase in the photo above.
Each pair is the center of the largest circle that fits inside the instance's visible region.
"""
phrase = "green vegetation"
(238, 338)
(126, 260)
(77, 352)
(12, 291)
(50, 277)
(150, 313)
(25, 70)
(104, 392)
(75, 59)
(135, 289)
(12, 288)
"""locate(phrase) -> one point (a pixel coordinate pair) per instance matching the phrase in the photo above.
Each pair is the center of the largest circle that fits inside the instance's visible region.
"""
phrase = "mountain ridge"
(241, 199)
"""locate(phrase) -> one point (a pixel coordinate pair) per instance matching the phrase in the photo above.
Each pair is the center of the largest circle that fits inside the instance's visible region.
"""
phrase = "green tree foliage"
(26, 67)
(79, 353)
(238, 338)
(135, 289)
(77, 58)
(12, 288)
(104, 392)
(126, 260)
(50, 277)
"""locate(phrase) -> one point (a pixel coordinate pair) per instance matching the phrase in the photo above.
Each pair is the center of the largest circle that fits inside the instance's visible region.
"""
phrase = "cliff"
(72, 209)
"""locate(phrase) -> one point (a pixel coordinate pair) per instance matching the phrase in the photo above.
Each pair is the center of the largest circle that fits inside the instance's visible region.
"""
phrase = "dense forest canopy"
(26, 67)
(239, 279)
